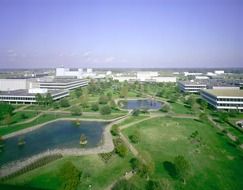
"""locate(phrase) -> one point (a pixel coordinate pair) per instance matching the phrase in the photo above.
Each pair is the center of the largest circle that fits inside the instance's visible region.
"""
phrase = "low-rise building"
(24, 96)
(191, 87)
(62, 83)
(224, 98)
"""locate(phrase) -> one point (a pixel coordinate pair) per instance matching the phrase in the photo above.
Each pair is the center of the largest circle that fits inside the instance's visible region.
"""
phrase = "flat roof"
(24, 92)
(61, 80)
(225, 92)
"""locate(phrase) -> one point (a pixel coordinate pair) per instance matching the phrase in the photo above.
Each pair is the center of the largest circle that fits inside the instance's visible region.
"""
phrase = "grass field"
(98, 173)
(215, 163)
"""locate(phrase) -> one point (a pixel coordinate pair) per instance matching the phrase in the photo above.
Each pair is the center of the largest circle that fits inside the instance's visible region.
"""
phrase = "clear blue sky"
(121, 33)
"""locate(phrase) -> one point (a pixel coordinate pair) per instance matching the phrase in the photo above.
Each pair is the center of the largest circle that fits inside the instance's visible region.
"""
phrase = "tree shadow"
(170, 168)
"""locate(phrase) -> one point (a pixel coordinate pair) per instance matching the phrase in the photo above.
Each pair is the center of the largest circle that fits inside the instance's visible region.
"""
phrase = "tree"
(64, 103)
(121, 150)
(6, 109)
(70, 176)
(115, 130)
(78, 92)
(135, 137)
(48, 100)
(103, 99)
(39, 99)
(95, 106)
(105, 110)
(182, 167)
(134, 162)
(76, 110)
(135, 112)
(124, 91)
(84, 100)
(112, 104)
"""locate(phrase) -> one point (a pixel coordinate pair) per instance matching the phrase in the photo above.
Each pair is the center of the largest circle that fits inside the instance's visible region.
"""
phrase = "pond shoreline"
(105, 146)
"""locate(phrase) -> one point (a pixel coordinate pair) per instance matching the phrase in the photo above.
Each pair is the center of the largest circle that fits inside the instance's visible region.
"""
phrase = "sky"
(121, 33)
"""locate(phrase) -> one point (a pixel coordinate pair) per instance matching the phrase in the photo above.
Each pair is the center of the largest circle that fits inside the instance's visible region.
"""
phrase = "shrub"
(165, 108)
(115, 130)
(136, 112)
(134, 138)
(64, 103)
(105, 110)
(76, 110)
(95, 107)
(103, 99)
(121, 150)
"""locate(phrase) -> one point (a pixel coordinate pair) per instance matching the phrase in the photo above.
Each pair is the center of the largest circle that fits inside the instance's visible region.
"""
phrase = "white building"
(146, 75)
(16, 84)
(191, 74)
(191, 87)
(61, 83)
(224, 98)
(29, 96)
(219, 72)
(66, 72)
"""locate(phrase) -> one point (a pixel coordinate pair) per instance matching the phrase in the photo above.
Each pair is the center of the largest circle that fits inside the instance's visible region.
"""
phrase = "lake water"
(140, 104)
(59, 134)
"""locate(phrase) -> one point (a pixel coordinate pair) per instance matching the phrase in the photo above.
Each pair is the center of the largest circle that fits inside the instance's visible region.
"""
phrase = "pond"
(58, 134)
(141, 104)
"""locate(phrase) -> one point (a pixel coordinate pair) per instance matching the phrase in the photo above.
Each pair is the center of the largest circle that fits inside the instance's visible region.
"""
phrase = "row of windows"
(231, 105)
(17, 98)
(231, 99)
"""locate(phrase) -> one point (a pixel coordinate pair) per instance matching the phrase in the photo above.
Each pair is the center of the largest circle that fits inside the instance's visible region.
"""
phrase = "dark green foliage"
(105, 110)
(95, 106)
(5, 109)
(135, 137)
(64, 103)
(115, 130)
(120, 147)
(70, 176)
(136, 112)
(103, 99)
(78, 92)
(135, 163)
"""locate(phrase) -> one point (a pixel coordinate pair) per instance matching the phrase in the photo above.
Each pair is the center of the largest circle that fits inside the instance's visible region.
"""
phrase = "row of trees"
(44, 99)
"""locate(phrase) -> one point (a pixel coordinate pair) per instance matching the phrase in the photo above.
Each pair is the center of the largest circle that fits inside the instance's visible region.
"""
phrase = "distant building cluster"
(218, 92)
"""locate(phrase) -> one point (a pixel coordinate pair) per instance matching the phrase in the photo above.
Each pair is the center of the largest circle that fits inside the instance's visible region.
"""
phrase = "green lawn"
(180, 108)
(20, 117)
(215, 164)
(99, 174)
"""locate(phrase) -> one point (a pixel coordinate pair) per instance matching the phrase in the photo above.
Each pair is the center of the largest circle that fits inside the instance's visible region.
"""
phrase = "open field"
(215, 163)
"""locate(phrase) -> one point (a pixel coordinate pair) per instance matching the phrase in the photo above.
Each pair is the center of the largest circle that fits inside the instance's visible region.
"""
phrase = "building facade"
(67, 84)
(191, 87)
(224, 98)
(29, 96)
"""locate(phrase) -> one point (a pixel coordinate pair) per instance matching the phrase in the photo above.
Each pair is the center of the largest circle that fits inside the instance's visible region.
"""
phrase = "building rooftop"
(61, 80)
(225, 92)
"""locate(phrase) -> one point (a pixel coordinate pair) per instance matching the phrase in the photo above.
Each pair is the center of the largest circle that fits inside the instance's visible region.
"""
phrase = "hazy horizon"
(121, 34)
